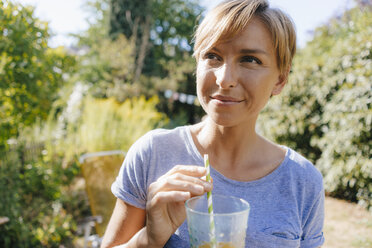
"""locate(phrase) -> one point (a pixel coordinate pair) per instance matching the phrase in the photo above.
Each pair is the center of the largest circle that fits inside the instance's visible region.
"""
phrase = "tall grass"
(106, 124)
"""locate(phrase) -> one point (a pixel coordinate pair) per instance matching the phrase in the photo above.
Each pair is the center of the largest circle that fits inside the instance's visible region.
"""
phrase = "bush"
(325, 110)
(35, 196)
(30, 72)
(38, 173)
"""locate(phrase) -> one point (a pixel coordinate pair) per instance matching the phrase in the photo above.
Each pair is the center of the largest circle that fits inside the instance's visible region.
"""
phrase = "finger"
(172, 184)
(205, 179)
(169, 196)
(194, 180)
(190, 170)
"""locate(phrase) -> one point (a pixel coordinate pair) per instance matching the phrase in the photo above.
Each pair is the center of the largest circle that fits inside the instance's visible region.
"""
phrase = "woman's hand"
(165, 208)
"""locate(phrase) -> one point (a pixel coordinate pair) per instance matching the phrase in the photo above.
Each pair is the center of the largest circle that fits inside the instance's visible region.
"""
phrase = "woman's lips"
(219, 99)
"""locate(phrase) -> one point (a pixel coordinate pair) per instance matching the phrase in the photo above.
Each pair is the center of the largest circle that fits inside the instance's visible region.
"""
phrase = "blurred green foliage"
(40, 174)
(325, 111)
(37, 197)
(105, 124)
(110, 64)
(107, 68)
(163, 29)
(106, 65)
(108, 125)
(34, 186)
(30, 72)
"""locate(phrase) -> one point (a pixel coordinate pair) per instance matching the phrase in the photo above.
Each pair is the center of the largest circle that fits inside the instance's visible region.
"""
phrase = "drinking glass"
(230, 216)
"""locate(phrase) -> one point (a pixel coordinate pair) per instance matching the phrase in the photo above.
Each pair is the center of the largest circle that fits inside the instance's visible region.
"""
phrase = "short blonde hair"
(229, 18)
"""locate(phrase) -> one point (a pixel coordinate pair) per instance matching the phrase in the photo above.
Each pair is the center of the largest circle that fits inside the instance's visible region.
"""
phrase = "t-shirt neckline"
(269, 177)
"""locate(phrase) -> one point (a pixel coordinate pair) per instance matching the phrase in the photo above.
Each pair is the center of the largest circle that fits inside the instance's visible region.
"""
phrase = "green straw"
(210, 202)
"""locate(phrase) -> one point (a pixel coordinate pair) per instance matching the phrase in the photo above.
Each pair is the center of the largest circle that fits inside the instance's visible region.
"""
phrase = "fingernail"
(207, 185)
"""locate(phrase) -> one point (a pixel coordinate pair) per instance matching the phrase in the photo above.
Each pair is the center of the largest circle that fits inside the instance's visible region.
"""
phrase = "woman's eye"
(211, 56)
(251, 59)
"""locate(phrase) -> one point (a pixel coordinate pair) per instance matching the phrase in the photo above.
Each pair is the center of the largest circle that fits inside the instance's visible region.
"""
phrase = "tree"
(106, 64)
(30, 71)
(325, 112)
(110, 62)
(132, 20)
(162, 32)
(169, 24)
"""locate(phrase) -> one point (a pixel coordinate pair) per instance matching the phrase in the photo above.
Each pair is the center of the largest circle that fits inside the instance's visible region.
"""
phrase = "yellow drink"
(219, 245)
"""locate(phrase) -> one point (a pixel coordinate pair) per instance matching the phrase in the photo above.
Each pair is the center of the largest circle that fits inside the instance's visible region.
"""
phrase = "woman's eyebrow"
(246, 50)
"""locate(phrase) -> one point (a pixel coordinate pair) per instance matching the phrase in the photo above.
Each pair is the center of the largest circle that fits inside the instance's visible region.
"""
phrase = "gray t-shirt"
(286, 206)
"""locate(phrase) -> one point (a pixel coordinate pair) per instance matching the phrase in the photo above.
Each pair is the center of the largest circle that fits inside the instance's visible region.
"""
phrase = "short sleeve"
(313, 229)
(129, 185)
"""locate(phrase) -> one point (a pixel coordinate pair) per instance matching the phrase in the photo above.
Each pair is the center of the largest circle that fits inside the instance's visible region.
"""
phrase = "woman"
(244, 51)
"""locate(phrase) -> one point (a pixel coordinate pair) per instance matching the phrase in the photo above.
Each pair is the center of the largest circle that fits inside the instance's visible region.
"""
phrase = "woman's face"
(235, 78)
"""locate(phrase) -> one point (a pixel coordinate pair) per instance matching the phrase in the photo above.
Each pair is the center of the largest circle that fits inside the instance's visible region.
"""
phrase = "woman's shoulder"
(300, 162)
(166, 135)
(305, 171)
(161, 137)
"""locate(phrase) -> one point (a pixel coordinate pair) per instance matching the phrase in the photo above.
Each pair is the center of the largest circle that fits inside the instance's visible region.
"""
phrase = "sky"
(69, 16)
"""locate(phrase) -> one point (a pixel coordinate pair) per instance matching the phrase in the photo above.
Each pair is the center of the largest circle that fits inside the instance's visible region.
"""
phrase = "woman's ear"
(282, 80)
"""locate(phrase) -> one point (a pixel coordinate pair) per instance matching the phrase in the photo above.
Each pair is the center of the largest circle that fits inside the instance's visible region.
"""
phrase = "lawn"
(347, 225)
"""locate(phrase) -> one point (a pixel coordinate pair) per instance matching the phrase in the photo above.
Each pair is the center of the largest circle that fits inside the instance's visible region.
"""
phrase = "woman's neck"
(237, 152)
(228, 142)
(232, 137)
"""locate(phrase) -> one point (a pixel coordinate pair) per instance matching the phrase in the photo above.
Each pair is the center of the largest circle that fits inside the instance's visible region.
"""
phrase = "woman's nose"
(225, 77)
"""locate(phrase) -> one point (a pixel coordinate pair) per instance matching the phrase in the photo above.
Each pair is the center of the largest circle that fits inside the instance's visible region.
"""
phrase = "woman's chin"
(224, 120)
